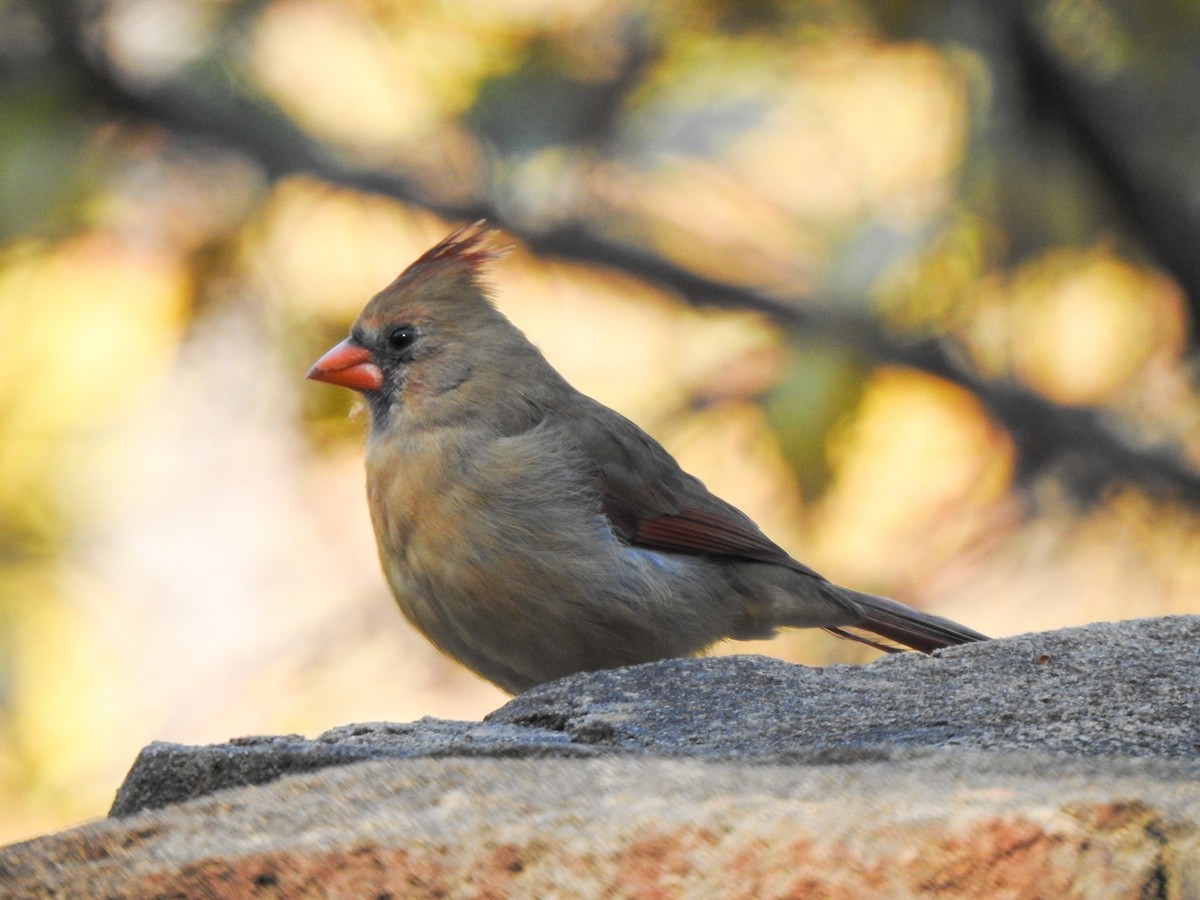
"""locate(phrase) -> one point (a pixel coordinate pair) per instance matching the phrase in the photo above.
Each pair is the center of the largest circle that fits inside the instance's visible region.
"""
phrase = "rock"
(1058, 763)
(165, 773)
(951, 824)
(1129, 688)
(1124, 688)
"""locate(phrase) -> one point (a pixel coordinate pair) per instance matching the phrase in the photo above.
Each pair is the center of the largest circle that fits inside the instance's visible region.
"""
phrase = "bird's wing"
(651, 502)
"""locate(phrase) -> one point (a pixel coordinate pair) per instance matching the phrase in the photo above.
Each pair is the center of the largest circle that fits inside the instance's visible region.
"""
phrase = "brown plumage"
(530, 532)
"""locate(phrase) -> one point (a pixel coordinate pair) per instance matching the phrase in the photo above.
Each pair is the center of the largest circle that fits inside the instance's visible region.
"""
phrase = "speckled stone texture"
(948, 824)
(1064, 763)
(1126, 688)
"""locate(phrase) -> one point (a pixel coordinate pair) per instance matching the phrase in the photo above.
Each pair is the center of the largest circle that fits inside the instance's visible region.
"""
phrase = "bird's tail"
(901, 626)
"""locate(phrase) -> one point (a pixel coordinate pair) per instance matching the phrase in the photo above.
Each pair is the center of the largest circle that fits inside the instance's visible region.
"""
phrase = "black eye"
(401, 337)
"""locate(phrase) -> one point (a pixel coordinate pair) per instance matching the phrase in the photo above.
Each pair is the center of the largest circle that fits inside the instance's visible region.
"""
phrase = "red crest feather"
(470, 247)
(469, 243)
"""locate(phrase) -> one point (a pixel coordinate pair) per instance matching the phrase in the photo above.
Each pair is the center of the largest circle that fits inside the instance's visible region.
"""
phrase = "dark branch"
(1123, 130)
(1044, 433)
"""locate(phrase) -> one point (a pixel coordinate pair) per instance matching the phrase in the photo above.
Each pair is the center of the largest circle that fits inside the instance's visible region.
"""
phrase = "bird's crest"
(463, 252)
(444, 283)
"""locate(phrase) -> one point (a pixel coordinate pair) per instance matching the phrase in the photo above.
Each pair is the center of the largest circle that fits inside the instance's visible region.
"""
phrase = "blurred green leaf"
(822, 386)
(41, 142)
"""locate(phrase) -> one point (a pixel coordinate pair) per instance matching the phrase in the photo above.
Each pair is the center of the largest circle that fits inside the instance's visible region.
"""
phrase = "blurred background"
(911, 283)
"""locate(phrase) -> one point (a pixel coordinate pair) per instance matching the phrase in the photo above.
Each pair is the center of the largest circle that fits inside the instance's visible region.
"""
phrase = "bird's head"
(428, 332)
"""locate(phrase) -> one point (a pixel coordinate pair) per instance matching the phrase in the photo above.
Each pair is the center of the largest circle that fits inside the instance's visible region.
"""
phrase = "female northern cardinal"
(530, 532)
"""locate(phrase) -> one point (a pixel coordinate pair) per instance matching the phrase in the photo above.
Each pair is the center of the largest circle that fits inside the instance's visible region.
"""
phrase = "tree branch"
(1044, 433)
(1132, 135)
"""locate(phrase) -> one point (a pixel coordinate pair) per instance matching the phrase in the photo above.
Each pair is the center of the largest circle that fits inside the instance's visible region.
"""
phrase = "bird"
(530, 532)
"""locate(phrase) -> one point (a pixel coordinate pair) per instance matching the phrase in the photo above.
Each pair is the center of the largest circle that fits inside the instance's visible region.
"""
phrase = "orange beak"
(348, 366)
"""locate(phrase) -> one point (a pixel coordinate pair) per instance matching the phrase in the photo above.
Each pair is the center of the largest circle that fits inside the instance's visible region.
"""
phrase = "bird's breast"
(473, 518)
(500, 553)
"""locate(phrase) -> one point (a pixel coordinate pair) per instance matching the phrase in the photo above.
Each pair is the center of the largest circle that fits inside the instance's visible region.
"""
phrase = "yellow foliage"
(1087, 322)
(919, 461)
(89, 326)
(885, 128)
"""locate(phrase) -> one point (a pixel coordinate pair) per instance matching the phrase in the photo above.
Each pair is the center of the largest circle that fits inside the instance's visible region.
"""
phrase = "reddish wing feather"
(694, 531)
(713, 533)
(652, 503)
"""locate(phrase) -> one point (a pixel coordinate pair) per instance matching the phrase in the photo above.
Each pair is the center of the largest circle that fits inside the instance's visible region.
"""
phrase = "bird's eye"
(401, 337)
